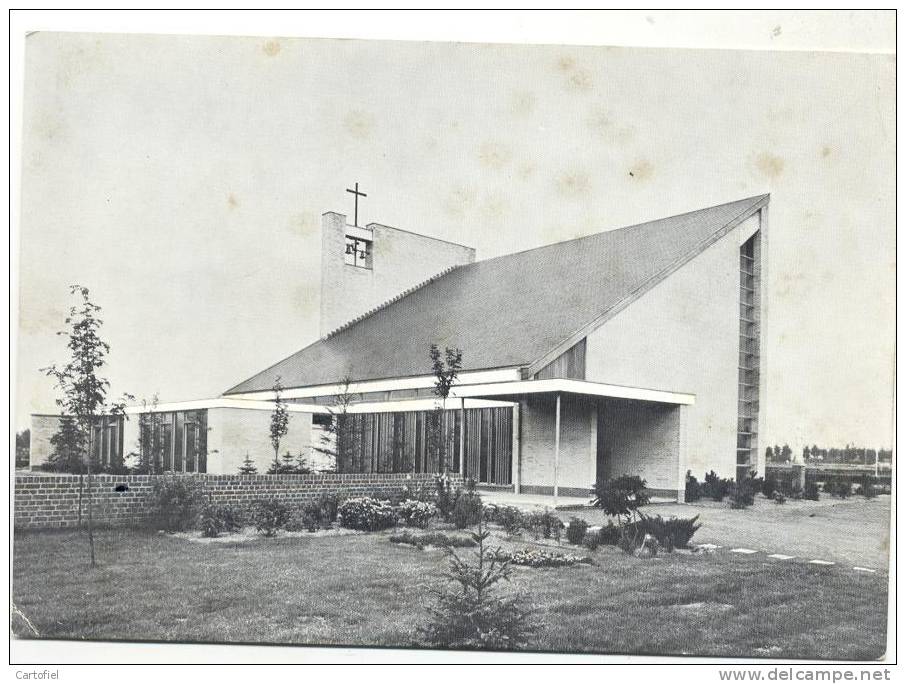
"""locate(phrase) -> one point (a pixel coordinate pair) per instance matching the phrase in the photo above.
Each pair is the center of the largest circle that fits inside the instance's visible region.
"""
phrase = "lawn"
(853, 531)
(363, 590)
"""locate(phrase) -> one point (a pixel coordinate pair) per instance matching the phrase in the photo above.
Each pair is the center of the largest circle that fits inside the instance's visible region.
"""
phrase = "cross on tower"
(357, 194)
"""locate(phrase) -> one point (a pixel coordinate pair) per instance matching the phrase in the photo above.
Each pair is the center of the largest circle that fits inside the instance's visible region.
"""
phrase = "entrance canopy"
(507, 390)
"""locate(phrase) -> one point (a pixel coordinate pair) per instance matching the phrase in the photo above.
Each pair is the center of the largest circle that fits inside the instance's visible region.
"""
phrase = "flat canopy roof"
(582, 387)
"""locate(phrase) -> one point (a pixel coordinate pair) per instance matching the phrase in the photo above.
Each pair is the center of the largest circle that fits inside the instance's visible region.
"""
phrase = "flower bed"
(534, 558)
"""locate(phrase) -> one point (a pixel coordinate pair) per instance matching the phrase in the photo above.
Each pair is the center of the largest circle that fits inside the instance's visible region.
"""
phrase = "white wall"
(683, 336)
(233, 433)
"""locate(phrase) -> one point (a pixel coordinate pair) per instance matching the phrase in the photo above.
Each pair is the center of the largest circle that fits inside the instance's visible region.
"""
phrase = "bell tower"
(364, 266)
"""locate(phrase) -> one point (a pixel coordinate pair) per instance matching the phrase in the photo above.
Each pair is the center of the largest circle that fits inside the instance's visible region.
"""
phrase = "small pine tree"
(470, 614)
(248, 466)
(68, 444)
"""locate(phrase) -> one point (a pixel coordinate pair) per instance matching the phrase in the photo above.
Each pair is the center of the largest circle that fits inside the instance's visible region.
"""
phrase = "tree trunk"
(90, 517)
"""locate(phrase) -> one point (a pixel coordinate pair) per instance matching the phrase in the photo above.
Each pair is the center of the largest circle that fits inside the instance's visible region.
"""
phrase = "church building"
(636, 351)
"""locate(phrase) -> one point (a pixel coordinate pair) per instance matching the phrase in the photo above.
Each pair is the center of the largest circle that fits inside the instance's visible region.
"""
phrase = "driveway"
(853, 532)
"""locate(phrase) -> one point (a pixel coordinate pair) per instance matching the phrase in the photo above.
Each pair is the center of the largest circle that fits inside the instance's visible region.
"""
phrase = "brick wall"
(53, 501)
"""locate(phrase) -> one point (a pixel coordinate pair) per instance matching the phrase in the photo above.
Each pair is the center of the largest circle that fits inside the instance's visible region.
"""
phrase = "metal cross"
(357, 194)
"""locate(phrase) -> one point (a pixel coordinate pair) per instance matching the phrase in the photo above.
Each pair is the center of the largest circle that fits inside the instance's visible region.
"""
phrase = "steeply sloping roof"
(509, 311)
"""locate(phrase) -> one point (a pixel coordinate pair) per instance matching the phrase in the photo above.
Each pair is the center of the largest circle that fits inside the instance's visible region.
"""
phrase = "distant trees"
(849, 454)
(84, 390)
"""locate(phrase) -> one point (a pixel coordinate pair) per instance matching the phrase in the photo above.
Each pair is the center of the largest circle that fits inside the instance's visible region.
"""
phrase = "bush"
(829, 487)
(590, 541)
(175, 502)
(366, 514)
(269, 515)
(742, 494)
(327, 508)
(716, 488)
(510, 518)
(693, 488)
(843, 489)
(769, 486)
(467, 509)
(416, 513)
(575, 531)
(421, 540)
(779, 498)
(621, 495)
(544, 524)
(609, 534)
(307, 518)
(445, 496)
(671, 533)
(216, 520)
(811, 491)
(867, 488)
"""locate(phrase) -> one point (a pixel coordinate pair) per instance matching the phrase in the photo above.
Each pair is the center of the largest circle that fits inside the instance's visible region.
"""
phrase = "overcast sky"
(182, 180)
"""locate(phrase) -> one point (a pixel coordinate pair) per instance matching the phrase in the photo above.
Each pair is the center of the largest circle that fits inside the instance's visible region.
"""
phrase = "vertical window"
(358, 252)
(166, 442)
(190, 433)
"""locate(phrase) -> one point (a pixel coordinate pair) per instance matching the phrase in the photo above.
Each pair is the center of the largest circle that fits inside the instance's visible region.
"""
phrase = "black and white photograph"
(455, 349)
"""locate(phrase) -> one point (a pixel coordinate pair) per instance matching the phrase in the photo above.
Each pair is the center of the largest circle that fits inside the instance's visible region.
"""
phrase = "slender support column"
(557, 451)
(516, 455)
(462, 437)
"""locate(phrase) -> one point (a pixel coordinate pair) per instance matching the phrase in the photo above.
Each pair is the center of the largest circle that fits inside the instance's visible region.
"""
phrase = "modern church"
(636, 351)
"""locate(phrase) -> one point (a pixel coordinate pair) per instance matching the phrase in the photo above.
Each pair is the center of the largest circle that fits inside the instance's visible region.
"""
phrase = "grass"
(362, 590)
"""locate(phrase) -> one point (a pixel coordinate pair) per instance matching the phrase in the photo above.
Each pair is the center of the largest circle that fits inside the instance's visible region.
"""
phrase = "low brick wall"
(53, 501)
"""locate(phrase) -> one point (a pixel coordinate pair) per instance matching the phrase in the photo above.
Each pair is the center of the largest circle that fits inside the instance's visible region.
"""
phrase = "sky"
(182, 180)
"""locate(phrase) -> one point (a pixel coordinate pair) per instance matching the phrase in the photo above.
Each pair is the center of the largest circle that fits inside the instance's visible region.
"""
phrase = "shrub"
(175, 502)
(670, 533)
(416, 513)
(779, 498)
(421, 540)
(445, 496)
(544, 524)
(269, 515)
(307, 518)
(693, 488)
(742, 494)
(843, 489)
(829, 487)
(621, 495)
(510, 518)
(867, 488)
(716, 488)
(769, 486)
(327, 508)
(609, 534)
(366, 514)
(216, 520)
(471, 614)
(535, 558)
(591, 540)
(575, 531)
(467, 509)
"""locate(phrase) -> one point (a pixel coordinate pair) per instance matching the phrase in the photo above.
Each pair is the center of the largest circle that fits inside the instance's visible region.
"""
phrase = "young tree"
(769, 454)
(340, 439)
(446, 370)
(84, 390)
(470, 613)
(279, 423)
(248, 466)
